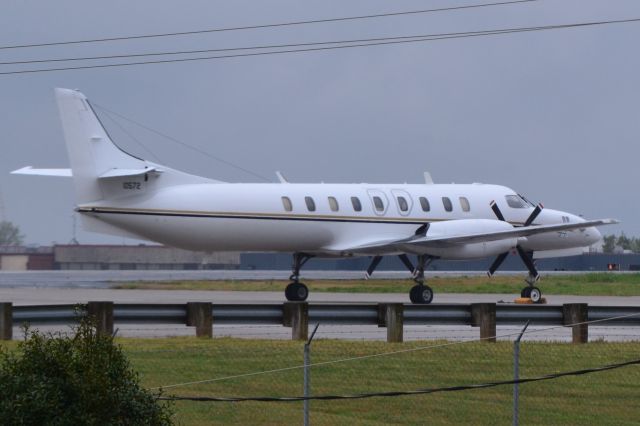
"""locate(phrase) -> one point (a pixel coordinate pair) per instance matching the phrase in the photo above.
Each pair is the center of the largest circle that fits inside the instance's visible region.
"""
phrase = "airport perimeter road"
(38, 296)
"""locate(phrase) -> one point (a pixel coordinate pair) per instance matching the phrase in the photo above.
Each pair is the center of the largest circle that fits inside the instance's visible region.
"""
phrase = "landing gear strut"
(297, 291)
(530, 291)
(421, 293)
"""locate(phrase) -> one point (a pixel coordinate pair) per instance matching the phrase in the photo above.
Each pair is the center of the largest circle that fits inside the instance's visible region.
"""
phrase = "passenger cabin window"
(311, 205)
(355, 202)
(464, 203)
(402, 204)
(424, 203)
(515, 202)
(446, 202)
(378, 204)
(286, 203)
(333, 204)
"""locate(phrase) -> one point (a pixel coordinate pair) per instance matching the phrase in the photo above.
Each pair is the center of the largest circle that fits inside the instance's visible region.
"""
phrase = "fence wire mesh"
(233, 367)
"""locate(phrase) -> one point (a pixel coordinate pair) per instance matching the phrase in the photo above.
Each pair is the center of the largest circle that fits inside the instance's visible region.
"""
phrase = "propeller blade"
(496, 263)
(528, 262)
(534, 214)
(372, 267)
(496, 210)
(405, 260)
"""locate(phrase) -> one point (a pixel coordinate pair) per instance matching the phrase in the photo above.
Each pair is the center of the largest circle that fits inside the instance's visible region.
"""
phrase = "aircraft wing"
(439, 241)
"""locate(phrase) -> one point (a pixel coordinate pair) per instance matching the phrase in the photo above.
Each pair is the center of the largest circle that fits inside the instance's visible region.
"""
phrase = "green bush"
(79, 378)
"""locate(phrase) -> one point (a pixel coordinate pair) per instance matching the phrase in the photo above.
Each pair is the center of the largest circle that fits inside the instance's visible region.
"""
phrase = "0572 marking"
(131, 185)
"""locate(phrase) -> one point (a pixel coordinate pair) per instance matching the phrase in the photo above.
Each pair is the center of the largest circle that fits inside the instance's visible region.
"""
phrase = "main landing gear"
(297, 291)
(421, 293)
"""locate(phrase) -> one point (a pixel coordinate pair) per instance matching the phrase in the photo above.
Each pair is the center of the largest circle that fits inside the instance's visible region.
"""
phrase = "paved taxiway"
(102, 279)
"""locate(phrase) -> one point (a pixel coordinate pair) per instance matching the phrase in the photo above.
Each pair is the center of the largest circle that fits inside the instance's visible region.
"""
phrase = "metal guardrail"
(299, 315)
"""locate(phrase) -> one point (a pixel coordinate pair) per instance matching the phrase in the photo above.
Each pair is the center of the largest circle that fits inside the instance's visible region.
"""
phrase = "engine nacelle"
(462, 251)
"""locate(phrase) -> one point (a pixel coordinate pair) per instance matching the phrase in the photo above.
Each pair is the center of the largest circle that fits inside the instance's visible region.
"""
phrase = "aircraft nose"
(593, 235)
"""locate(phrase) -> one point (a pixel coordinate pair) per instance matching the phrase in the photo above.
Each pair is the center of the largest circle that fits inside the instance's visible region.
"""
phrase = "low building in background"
(20, 258)
(94, 257)
(144, 257)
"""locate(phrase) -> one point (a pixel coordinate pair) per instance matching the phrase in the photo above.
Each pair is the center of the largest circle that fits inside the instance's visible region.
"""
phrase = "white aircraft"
(120, 194)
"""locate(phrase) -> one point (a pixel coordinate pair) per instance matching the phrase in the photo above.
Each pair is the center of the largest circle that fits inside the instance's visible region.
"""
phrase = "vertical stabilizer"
(91, 151)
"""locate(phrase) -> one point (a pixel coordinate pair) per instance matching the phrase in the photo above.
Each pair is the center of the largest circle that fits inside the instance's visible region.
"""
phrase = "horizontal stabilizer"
(42, 172)
(113, 173)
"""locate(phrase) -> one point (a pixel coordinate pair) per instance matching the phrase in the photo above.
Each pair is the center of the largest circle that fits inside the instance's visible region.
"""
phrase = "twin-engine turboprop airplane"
(120, 194)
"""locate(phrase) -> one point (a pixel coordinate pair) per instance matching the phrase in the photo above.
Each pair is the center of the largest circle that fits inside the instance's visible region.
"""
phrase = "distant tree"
(609, 243)
(74, 379)
(624, 242)
(10, 234)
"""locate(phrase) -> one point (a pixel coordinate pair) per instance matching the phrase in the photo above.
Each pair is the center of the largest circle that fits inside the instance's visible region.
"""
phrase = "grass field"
(605, 398)
(601, 398)
(596, 284)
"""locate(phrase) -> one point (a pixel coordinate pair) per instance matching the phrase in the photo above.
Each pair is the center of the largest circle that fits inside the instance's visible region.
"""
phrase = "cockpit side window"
(515, 202)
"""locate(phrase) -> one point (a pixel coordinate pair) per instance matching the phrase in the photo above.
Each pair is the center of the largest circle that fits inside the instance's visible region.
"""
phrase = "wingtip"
(21, 170)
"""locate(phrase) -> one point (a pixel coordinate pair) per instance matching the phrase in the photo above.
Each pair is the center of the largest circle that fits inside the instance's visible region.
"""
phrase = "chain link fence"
(272, 368)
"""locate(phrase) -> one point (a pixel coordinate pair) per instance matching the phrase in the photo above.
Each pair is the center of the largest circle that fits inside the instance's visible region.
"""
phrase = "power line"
(282, 24)
(392, 42)
(179, 142)
(278, 46)
(404, 393)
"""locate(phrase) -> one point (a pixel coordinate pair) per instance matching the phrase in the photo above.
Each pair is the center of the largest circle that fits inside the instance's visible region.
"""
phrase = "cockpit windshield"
(518, 201)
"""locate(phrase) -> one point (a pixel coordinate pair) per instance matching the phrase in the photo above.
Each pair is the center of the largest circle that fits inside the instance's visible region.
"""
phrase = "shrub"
(74, 378)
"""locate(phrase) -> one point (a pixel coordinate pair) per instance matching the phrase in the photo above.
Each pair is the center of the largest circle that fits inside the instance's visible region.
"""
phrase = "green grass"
(596, 284)
(607, 398)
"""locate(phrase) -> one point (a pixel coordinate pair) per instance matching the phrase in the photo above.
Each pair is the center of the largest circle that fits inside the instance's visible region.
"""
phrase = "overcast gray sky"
(554, 115)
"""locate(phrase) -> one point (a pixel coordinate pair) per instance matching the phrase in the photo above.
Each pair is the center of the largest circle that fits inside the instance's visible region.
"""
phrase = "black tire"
(526, 292)
(535, 294)
(296, 292)
(421, 294)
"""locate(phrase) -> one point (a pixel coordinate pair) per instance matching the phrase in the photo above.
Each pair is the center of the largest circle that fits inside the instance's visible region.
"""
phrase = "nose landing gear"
(531, 291)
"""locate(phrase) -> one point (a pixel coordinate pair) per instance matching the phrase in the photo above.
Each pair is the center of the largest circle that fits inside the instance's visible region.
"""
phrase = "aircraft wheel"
(421, 294)
(526, 292)
(296, 292)
(535, 294)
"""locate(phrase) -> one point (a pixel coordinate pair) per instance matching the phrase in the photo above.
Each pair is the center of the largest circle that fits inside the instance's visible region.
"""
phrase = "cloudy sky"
(553, 114)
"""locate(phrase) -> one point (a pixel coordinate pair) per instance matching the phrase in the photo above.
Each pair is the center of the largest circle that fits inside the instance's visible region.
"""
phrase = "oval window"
(286, 203)
(355, 202)
(446, 202)
(311, 205)
(333, 204)
(424, 203)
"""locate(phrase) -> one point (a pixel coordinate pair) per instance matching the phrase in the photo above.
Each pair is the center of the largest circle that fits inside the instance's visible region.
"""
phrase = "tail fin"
(100, 169)
(91, 151)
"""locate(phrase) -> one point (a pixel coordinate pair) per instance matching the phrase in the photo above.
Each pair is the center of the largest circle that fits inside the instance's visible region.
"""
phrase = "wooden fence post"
(390, 315)
(483, 315)
(102, 313)
(577, 313)
(6, 321)
(199, 316)
(296, 316)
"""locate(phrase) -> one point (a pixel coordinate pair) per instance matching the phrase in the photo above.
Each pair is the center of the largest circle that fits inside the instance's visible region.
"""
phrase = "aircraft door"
(379, 201)
(403, 201)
